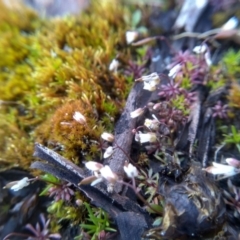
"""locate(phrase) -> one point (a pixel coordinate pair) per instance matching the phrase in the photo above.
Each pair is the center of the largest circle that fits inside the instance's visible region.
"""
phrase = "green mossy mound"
(52, 66)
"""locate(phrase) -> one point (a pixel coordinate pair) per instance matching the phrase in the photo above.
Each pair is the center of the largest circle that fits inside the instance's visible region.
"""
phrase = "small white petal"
(149, 87)
(98, 180)
(114, 65)
(208, 58)
(200, 3)
(131, 36)
(108, 152)
(108, 174)
(79, 117)
(136, 137)
(136, 113)
(65, 123)
(147, 137)
(150, 81)
(93, 166)
(107, 136)
(130, 170)
(222, 169)
(174, 71)
(230, 24)
(20, 184)
(200, 49)
(153, 77)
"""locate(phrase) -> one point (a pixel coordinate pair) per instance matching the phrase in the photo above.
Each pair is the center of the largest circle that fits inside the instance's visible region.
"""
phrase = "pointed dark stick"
(123, 131)
(66, 170)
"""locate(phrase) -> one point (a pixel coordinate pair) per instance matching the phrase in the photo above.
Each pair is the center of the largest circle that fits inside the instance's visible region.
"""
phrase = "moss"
(234, 95)
(53, 67)
(62, 129)
(62, 211)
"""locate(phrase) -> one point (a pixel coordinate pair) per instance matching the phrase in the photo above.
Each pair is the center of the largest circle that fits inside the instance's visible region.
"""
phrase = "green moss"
(62, 211)
(232, 63)
(50, 67)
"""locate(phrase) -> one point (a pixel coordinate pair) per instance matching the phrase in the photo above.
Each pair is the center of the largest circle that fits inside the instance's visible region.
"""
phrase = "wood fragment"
(123, 131)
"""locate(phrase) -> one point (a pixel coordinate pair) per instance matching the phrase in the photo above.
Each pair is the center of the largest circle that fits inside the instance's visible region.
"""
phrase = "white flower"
(79, 117)
(200, 49)
(150, 81)
(107, 137)
(17, 185)
(130, 170)
(93, 166)
(174, 71)
(208, 58)
(131, 36)
(114, 65)
(136, 137)
(108, 152)
(149, 87)
(225, 170)
(147, 137)
(136, 113)
(108, 174)
(151, 124)
(203, 49)
(230, 24)
(96, 181)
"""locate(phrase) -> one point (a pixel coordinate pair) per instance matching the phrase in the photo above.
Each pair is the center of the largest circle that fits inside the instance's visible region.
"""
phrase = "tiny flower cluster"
(193, 66)
(109, 138)
(172, 111)
(102, 173)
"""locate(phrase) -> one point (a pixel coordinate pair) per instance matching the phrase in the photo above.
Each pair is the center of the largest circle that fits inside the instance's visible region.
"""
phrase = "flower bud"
(174, 71)
(18, 185)
(136, 113)
(108, 174)
(114, 65)
(93, 166)
(131, 36)
(130, 170)
(79, 117)
(108, 152)
(107, 137)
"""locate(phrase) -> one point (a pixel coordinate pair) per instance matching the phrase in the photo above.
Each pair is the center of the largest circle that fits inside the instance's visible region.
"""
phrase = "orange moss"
(63, 129)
